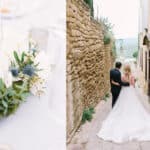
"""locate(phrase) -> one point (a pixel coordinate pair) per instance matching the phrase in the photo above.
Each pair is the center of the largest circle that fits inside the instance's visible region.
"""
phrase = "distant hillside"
(130, 45)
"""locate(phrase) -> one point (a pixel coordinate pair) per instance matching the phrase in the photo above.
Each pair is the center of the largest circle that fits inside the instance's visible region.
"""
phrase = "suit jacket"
(115, 75)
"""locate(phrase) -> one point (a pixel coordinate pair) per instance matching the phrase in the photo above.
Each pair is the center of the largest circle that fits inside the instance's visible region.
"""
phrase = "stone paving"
(86, 139)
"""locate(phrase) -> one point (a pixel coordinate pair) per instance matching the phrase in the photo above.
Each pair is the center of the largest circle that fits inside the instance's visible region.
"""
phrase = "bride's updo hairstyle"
(127, 69)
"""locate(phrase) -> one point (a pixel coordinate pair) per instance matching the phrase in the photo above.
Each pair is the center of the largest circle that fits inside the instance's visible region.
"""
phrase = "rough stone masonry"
(88, 63)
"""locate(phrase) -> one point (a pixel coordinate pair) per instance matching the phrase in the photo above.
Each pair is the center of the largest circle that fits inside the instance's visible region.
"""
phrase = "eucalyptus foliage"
(11, 97)
(23, 69)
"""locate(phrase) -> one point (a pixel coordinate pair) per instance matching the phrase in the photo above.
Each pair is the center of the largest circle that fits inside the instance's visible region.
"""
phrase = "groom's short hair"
(118, 65)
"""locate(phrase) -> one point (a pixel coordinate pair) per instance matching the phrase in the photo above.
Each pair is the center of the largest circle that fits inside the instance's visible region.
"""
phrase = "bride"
(128, 119)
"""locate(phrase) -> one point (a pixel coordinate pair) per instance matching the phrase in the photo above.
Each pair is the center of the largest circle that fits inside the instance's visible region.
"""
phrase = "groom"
(115, 76)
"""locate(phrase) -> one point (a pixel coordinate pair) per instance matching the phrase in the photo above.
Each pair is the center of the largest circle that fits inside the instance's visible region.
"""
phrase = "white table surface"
(40, 124)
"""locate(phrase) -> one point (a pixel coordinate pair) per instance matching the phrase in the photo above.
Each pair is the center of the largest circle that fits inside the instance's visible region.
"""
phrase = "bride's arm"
(124, 81)
(133, 81)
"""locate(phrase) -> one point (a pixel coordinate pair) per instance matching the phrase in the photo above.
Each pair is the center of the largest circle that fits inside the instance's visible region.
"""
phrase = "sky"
(122, 13)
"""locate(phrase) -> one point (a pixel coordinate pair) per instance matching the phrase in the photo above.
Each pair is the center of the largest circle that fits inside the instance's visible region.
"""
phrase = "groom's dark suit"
(115, 75)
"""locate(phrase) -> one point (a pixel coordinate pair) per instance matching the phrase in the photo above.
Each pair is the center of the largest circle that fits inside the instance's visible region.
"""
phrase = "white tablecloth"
(39, 124)
(33, 126)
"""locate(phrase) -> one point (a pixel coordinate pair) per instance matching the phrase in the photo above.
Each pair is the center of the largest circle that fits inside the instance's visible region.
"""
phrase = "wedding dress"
(128, 120)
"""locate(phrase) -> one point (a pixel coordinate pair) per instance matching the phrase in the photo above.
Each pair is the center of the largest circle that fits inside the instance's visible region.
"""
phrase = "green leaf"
(11, 92)
(2, 85)
(1, 94)
(18, 86)
(36, 64)
(17, 58)
(15, 101)
(1, 108)
(22, 57)
(24, 95)
(5, 104)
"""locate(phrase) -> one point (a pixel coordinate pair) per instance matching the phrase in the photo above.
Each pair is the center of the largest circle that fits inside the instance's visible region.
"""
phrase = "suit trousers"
(114, 97)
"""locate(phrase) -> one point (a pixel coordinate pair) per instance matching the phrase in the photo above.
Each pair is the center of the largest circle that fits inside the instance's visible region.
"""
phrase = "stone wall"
(88, 63)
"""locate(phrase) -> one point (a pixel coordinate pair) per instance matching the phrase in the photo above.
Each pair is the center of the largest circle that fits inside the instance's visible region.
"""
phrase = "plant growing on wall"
(106, 24)
(87, 114)
(107, 39)
(106, 96)
(90, 3)
(107, 30)
(114, 49)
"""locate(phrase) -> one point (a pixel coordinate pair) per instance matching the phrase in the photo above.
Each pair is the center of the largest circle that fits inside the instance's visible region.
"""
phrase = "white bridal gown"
(128, 120)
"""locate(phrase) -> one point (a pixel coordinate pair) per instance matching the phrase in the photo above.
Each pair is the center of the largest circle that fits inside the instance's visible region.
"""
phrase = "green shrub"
(87, 114)
(135, 54)
(91, 109)
(90, 3)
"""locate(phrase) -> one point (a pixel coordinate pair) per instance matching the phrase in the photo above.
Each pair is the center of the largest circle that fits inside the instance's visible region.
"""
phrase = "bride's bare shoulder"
(123, 78)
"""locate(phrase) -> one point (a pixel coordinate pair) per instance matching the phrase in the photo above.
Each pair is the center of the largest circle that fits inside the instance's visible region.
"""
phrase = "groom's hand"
(128, 84)
(117, 84)
(125, 83)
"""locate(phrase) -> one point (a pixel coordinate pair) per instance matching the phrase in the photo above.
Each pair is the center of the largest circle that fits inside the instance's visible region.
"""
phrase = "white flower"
(37, 88)
(44, 64)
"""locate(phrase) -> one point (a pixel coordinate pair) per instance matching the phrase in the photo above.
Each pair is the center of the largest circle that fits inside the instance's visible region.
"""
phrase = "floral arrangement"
(25, 75)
